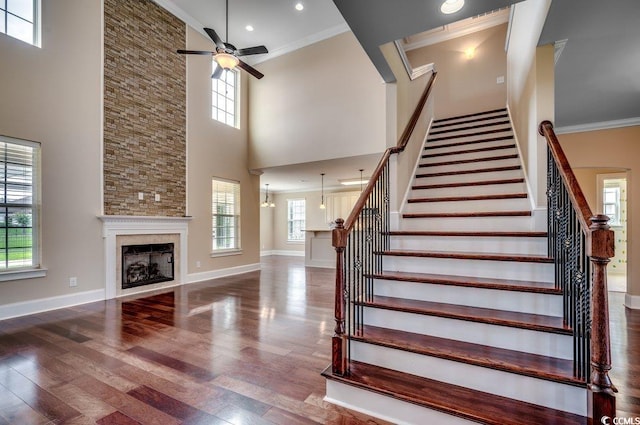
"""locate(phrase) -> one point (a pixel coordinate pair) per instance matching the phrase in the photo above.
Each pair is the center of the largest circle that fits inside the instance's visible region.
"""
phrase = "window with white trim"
(225, 211)
(224, 97)
(19, 19)
(295, 220)
(19, 218)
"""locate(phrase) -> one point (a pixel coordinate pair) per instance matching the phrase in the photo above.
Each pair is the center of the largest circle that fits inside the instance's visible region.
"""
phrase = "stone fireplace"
(137, 255)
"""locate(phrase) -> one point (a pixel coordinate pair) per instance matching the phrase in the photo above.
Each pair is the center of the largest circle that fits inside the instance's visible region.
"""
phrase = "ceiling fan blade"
(195, 52)
(257, 50)
(251, 70)
(215, 38)
(217, 73)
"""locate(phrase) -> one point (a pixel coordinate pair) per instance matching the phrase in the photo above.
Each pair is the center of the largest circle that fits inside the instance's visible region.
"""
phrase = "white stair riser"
(468, 166)
(523, 302)
(480, 268)
(456, 145)
(463, 130)
(553, 395)
(437, 141)
(528, 341)
(455, 154)
(387, 408)
(468, 223)
(469, 121)
(466, 178)
(487, 189)
(507, 245)
(484, 205)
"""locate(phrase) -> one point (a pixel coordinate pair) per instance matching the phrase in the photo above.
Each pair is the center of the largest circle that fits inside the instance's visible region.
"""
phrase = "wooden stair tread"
(469, 198)
(468, 234)
(535, 322)
(469, 214)
(485, 118)
(468, 281)
(521, 258)
(464, 127)
(452, 399)
(475, 150)
(468, 142)
(521, 363)
(468, 161)
(475, 133)
(476, 114)
(464, 184)
(474, 171)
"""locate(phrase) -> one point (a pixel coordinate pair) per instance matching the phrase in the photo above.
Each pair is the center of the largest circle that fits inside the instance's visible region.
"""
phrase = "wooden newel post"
(339, 343)
(600, 250)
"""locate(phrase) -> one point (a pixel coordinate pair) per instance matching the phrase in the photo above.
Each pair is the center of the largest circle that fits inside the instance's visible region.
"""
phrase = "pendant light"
(322, 206)
(266, 202)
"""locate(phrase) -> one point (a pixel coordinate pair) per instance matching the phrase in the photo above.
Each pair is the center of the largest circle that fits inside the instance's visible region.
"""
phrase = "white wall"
(216, 150)
(467, 85)
(322, 102)
(530, 90)
(53, 95)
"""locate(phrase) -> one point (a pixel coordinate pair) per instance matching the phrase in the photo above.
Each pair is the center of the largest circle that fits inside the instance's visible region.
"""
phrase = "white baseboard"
(632, 301)
(214, 274)
(266, 253)
(24, 308)
(288, 253)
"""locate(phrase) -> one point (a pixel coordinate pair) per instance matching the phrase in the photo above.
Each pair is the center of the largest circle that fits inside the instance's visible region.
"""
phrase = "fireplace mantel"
(116, 225)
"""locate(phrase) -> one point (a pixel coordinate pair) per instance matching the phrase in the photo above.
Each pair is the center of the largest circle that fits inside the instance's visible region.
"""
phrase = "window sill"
(296, 242)
(22, 274)
(226, 252)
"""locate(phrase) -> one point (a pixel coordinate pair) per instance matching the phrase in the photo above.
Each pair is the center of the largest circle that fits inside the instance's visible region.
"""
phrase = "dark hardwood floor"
(247, 349)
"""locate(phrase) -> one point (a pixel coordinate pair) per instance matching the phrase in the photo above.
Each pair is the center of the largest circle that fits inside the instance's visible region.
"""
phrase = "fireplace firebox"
(146, 264)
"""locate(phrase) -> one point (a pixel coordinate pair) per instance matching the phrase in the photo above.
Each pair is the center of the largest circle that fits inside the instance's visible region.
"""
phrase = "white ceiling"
(277, 24)
(601, 39)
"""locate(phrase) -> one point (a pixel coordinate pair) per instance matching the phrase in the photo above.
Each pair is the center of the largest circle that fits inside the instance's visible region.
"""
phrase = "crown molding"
(303, 42)
(603, 125)
(458, 29)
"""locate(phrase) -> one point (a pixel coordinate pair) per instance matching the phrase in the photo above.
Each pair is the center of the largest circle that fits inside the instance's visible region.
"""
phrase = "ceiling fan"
(226, 54)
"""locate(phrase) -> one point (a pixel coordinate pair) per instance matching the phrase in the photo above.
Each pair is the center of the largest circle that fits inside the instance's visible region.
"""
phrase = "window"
(224, 92)
(295, 220)
(19, 181)
(225, 210)
(18, 18)
(611, 203)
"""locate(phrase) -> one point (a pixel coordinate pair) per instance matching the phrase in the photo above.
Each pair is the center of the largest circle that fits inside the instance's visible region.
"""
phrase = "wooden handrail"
(575, 192)
(400, 146)
(413, 121)
(340, 236)
(600, 248)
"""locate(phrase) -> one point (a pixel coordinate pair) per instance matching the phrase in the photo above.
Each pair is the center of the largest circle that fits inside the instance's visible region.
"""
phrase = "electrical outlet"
(73, 281)
(141, 196)
(198, 264)
(157, 197)
(500, 80)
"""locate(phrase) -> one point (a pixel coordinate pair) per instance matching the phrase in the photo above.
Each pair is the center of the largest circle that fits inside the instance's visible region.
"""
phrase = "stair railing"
(581, 244)
(365, 231)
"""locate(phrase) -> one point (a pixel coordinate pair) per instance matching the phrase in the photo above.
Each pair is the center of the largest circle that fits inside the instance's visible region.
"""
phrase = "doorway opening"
(612, 201)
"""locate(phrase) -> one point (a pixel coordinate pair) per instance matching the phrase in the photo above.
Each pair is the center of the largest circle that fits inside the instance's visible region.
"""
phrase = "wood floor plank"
(265, 336)
(194, 371)
(169, 405)
(117, 418)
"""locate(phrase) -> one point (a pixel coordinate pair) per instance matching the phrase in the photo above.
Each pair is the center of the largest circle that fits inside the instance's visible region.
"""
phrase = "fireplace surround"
(118, 231)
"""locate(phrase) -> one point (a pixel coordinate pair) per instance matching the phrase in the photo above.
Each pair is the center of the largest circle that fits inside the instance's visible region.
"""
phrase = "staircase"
(464, 323)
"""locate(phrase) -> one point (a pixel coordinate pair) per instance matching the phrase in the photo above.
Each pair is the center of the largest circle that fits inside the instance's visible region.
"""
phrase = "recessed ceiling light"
(249, 28)
(451, 6)
(299, 6)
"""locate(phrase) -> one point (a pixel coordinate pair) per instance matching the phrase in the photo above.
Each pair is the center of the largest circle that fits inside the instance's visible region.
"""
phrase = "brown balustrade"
(582, 245)
(365, 231)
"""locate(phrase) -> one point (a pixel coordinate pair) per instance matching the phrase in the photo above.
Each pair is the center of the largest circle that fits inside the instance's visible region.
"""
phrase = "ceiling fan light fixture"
(226, 61)
(451, 6)
(299, 6)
